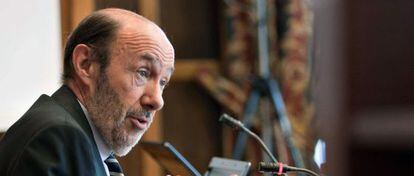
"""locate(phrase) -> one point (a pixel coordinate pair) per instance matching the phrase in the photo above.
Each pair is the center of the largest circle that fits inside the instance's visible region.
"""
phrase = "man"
(116, 66)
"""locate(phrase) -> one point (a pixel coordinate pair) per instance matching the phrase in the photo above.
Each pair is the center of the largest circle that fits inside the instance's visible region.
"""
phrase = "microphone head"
(268, 167)
(228, 120)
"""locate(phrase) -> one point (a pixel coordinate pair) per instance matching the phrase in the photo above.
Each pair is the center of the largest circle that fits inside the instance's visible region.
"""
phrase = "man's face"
(129, 91)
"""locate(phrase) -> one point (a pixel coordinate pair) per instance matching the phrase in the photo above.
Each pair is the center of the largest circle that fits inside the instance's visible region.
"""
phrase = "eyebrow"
(155, 60)
(150, 58)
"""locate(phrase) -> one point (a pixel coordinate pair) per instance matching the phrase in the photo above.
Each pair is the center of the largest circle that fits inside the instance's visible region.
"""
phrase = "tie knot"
(113, 166)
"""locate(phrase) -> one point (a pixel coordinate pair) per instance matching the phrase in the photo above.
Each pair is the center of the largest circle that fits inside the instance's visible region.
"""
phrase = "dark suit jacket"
(52, 138)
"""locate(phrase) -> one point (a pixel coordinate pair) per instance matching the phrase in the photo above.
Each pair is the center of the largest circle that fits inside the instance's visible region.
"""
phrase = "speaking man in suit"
(116, 66)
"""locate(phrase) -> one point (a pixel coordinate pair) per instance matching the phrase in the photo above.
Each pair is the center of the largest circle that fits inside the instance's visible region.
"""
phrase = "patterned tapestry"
(289, 24)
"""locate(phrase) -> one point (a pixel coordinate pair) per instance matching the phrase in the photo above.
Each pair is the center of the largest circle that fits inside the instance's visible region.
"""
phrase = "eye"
(164, 83)
(143, 73)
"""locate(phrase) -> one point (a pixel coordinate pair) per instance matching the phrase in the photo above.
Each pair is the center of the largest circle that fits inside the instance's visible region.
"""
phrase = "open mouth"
(139, 122)
(142, 120)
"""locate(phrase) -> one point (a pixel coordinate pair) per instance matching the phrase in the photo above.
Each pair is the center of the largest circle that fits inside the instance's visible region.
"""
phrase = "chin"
(122, 151)
(126, 146)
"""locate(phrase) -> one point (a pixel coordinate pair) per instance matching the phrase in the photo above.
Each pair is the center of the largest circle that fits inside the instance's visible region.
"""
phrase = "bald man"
(116, 66)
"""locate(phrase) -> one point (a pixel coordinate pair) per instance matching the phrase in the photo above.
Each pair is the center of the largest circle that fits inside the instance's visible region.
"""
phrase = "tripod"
(264, 86)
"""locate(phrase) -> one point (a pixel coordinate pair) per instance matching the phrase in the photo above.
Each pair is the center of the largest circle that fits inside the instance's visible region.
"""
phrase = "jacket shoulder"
(55, 150)
(48, 138)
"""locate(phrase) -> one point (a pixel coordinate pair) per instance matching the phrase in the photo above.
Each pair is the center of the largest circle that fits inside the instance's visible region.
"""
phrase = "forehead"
(145, 38)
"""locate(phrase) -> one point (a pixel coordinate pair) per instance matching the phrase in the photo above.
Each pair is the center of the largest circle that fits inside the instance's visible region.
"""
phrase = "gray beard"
(108, 114)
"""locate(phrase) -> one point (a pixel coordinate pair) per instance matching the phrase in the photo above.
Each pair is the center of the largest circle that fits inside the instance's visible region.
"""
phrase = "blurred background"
(344, 68)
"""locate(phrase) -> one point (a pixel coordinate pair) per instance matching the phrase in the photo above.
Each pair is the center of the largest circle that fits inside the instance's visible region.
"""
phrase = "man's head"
(118, 64)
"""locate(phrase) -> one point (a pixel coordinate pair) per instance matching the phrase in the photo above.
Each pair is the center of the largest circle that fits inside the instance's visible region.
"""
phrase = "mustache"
(139, 112)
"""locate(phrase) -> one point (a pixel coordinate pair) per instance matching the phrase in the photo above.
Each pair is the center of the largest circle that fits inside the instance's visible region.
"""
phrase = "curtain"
(289, 25)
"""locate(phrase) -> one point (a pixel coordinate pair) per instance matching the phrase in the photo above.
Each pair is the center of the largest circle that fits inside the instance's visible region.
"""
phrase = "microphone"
(230, 121)
(275, 167)
(282, 168)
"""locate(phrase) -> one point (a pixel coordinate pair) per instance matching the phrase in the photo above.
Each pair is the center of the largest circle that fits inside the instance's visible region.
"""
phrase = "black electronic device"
(169, 158)
(227, 167)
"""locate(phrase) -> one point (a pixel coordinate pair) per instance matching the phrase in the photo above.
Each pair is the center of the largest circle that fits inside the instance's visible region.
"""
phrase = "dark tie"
(113, 166)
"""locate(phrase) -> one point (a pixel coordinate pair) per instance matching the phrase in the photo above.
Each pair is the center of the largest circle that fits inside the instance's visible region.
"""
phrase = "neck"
(78, 89)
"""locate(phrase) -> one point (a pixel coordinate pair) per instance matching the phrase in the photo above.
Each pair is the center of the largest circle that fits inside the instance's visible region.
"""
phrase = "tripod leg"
(276, 96)
(267, 126)
(250, 109)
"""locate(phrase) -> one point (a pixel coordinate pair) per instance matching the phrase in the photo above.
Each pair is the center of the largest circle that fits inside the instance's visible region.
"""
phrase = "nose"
(152, 97)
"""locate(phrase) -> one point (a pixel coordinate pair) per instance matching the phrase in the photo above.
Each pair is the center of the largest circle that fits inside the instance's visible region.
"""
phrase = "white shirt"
(104, 150)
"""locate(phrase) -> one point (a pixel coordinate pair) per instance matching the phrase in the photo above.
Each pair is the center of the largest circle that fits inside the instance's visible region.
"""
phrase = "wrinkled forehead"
(138, 34)
(145, 37)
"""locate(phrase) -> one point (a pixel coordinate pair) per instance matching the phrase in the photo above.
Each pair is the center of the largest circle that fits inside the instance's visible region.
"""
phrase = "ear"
(86, 70)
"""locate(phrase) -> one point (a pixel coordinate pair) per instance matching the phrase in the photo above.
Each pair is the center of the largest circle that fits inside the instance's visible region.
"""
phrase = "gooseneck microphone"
(232, 122)
(277, 167)
(274, 167)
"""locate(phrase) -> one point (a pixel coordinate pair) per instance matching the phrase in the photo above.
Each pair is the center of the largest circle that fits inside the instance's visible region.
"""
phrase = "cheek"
(127, 89)
(131, 95)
